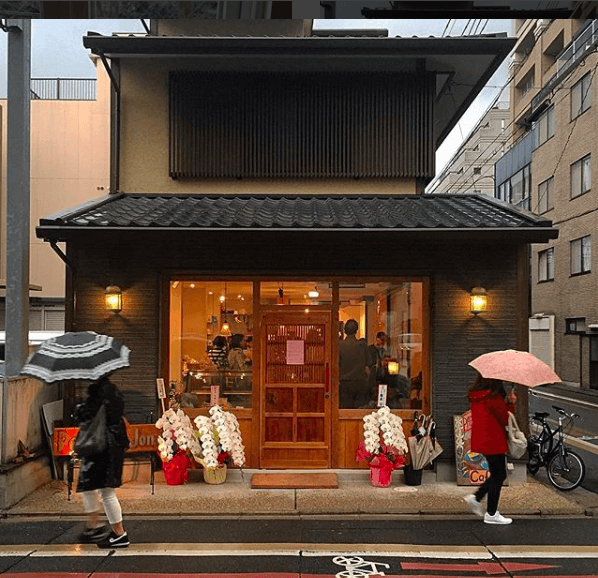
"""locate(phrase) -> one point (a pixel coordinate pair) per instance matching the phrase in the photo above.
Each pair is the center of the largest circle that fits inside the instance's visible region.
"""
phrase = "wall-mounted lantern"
(113, 298)
(479, 300)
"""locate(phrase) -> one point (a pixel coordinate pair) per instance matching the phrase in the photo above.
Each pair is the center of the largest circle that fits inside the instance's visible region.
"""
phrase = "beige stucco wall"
(70, 164)
(144, 146)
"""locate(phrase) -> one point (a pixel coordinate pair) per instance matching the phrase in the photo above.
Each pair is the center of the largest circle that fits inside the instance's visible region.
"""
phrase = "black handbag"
(91, 439)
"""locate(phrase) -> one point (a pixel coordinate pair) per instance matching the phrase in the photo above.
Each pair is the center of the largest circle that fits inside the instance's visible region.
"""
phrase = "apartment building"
(548, 170)
(471, 169)
(70, 163)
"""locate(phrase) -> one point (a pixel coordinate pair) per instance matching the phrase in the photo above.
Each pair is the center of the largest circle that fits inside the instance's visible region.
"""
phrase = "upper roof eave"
(466, 64)
(398, 47)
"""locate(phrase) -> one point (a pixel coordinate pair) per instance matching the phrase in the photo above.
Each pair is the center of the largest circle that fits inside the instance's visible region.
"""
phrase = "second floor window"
(545, 195)
(581, 255)
(581, 176)
(546, 265)
(545, 126)
(581, 96)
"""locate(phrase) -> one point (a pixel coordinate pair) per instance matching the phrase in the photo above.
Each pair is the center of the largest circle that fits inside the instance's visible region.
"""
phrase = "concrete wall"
(25, 397)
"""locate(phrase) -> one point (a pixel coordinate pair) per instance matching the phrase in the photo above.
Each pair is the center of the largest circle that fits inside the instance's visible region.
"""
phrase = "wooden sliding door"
(295, 389)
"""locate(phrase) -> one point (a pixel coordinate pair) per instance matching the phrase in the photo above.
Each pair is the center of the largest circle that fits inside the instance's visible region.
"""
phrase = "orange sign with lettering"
(143, 437)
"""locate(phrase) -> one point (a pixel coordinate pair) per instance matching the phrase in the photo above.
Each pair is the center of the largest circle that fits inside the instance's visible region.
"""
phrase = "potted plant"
(383, 445)
(220, 444)
(177, 441)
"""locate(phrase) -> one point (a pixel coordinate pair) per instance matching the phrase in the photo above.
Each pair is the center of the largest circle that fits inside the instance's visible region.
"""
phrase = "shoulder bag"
(91, 439)
(515, 438)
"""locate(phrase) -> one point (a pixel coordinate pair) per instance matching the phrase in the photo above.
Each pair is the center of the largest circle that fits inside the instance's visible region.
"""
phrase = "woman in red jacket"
(490, 414)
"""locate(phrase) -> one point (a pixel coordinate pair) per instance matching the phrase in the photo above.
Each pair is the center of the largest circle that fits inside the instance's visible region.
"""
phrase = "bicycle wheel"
(566, 471)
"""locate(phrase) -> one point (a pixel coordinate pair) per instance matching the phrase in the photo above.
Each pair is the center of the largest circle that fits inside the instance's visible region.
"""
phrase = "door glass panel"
(279, 400)
(310, 429)
(310, 400)
(279, 429)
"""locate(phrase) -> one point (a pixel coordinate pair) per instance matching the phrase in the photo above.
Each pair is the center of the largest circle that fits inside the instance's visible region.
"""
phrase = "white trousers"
(92, 502)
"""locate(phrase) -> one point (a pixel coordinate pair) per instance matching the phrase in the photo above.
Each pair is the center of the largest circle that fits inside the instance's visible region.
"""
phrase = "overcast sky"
(57, 52)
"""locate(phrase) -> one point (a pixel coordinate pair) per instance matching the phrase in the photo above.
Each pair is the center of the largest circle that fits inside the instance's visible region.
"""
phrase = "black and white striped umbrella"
(76, 355)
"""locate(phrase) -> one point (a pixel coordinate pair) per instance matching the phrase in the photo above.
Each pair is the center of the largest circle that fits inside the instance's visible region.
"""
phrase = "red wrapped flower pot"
(175, 471)
(381, 471)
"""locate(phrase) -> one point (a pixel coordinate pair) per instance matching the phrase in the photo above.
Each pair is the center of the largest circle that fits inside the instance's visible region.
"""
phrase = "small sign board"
(295, 352)
(160, 387)
(381, 394)
(472, 468)
(143, 438)
(214, 395)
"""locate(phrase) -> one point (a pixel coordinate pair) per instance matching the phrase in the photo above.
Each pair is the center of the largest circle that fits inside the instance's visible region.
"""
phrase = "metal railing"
(63, 88)
(579, 47)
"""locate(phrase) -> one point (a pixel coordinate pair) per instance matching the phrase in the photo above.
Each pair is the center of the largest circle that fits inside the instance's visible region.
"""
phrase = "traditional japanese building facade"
(268, 189)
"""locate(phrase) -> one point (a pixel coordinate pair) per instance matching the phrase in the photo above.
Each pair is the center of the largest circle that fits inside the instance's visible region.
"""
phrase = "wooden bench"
(143, 437)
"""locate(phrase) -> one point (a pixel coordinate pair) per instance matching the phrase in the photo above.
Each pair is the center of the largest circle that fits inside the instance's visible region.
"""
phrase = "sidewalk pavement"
(355, 496)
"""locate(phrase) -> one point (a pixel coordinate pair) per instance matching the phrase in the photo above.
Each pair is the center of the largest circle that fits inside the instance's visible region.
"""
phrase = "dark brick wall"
(139, 263)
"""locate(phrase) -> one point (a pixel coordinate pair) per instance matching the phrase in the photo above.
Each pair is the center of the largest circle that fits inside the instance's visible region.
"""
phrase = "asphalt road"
(293, 547)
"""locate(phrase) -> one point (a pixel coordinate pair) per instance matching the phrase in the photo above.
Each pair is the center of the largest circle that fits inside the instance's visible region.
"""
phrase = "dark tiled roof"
(401, 212)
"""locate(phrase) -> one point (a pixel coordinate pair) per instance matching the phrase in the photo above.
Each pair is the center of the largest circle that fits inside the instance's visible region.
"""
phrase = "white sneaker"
(496, 519)
(474, 505)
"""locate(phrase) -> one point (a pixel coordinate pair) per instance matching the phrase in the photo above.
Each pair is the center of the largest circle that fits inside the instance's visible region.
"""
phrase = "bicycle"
(565, 468)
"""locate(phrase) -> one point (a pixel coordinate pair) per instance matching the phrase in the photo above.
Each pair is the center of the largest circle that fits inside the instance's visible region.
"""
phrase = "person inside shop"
(237, 360)
(490, 407)
(379, 356)
(354, 367)
(218, 353)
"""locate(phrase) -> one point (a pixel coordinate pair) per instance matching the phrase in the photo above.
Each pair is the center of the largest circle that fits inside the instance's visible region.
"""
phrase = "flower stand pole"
(215, 475)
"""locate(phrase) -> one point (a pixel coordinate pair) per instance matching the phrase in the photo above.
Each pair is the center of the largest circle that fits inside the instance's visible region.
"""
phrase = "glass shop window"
(381, 330)
(295, 293)
(211, 342)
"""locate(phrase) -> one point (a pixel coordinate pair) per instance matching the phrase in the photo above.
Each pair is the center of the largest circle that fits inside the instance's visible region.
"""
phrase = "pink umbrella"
(516, 367)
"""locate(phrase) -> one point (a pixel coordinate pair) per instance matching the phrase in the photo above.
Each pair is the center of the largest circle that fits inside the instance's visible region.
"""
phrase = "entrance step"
(285, 480)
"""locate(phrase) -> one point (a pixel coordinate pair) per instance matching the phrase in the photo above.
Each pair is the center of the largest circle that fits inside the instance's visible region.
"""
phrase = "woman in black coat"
(100, 474)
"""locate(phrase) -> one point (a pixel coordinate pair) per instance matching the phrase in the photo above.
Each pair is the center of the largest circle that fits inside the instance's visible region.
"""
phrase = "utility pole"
(17, 204)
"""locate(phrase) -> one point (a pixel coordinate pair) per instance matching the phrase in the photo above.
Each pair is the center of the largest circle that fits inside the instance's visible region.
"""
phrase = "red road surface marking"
(488, 567)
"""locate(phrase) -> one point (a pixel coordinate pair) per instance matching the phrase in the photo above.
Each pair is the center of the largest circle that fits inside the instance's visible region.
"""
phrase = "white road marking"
(309, 550)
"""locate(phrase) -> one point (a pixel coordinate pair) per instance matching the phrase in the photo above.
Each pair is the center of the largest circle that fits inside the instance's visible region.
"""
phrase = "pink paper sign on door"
(295, 352)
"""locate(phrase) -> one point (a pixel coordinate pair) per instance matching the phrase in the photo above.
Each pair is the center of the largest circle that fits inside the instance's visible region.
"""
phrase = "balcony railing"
(63, 88)
(579, 47)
